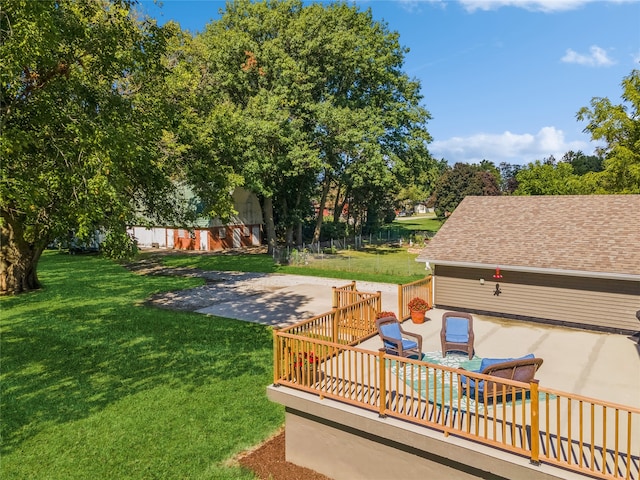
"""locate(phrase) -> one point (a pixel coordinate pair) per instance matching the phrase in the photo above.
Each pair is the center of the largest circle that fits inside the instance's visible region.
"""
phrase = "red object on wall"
(497, 274)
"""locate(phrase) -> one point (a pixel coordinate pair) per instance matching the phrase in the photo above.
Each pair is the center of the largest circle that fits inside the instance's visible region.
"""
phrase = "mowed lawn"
(96, 385)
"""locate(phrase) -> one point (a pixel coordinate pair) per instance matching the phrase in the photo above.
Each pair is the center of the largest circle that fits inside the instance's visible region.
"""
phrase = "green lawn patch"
(97, 385)
(373, 264)
(260, 263)
(408, 225)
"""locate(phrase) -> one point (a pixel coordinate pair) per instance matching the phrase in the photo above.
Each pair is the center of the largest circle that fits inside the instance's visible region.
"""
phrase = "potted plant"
(385, 314)
(305, 368)
(418, 307)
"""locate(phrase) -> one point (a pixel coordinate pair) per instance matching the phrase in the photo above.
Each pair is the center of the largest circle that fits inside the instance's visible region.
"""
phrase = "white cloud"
(597, 57)
(507, 147)
(532, 5)
(409, 5)
(546, 6)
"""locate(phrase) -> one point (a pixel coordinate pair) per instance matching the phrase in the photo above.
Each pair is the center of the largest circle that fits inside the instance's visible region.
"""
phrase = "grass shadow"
(86, 341)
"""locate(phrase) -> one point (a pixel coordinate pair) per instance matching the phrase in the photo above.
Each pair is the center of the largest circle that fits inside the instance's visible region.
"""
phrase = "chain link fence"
(337, 253)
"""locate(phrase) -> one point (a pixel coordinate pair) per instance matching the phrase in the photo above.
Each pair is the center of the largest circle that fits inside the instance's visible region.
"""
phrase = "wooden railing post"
(276, 358)
(383, 384)
(334, 298)
(334, 328)
(535, 423)
(400, 303)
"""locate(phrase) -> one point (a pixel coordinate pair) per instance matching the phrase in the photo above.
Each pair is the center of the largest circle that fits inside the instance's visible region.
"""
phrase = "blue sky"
(502, 79)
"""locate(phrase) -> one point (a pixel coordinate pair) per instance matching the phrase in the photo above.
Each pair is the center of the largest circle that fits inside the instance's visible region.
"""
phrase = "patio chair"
(521, 369)
(396, 340)
(456, 334)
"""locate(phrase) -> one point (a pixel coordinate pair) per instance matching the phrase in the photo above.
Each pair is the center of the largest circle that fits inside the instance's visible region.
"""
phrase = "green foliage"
(619, 127)
(333, 230)
(548, 178)
(462, 180)
(299, 257)
(97, 385)
(82, 113)
(582, 163)
(418, 239)
(314, 114)
(508, 173)
(119, 246)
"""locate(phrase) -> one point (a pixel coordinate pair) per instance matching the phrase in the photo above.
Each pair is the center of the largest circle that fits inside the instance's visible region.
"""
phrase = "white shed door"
(255, 235)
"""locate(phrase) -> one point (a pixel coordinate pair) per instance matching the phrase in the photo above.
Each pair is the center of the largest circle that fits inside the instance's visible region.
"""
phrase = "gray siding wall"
(600, 303)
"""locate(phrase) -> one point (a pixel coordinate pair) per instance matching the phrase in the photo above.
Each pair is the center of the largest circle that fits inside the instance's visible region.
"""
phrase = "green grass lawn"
(96, 385)
(374, 264)
(426, 223)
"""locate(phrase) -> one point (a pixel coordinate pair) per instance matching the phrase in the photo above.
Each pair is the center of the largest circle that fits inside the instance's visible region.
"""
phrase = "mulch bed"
(268, 462)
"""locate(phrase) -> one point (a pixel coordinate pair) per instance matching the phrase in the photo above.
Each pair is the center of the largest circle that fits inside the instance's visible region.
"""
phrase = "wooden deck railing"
(348, 324)
(420, 288)
(588, 436)
(348, 294)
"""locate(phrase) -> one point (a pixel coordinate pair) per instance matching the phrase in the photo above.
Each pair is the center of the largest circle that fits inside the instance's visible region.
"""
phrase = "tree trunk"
(267, 211)
(339, 206)
(289, 235)
(323, 198)
(18, 258)
(288, 232)
(299, 232)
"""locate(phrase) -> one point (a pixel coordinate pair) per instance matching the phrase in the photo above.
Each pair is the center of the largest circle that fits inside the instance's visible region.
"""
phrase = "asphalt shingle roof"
(572, 233)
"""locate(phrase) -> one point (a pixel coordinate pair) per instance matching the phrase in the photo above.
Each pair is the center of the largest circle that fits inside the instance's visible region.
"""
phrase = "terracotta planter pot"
(307, 377)
(417, 317)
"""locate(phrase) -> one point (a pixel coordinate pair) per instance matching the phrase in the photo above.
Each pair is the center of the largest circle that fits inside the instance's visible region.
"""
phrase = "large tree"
(81, 126)
(324, 102)
(462, 180)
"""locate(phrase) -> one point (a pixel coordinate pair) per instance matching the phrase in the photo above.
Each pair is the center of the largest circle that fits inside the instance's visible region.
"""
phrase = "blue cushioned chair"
(520, 369)
(456, 334)
(396, 340)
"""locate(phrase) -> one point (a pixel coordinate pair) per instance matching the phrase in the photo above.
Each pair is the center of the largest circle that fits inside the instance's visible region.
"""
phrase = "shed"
(242, 230)
(570, 259)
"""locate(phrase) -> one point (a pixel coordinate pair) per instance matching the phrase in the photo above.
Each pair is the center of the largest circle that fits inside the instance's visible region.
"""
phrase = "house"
(572, 259)
(421, 209)
(210, 234)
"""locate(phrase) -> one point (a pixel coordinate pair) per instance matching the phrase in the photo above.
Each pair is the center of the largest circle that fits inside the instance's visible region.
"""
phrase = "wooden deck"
(569, 453)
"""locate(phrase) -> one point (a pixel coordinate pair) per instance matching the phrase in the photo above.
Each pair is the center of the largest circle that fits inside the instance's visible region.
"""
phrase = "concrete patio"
(604, 366)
